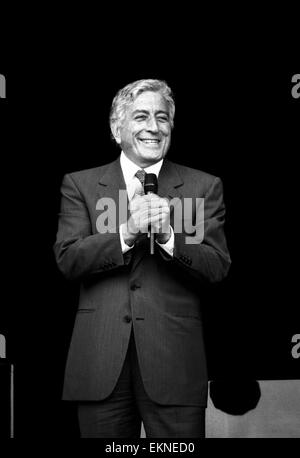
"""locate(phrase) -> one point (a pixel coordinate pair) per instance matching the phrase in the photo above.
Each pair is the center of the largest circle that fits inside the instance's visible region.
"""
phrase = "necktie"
(140, 174)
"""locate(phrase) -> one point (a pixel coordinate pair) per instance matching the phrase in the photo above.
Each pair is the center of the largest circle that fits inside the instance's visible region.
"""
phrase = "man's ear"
(115, 130)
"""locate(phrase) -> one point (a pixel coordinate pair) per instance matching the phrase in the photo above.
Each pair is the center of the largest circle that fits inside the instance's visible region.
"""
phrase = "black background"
(235, 118)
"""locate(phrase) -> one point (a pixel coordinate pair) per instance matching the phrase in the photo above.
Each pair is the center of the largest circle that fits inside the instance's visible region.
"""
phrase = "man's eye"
(140, 118)
(163, 119)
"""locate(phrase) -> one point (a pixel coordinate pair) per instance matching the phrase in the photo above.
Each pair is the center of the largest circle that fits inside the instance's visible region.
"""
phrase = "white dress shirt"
(133, 184)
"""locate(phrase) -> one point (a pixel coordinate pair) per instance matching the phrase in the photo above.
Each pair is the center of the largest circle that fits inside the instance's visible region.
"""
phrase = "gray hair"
(130, 92)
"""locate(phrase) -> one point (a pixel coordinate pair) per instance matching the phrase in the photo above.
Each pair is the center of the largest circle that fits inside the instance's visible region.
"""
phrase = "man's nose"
(152, 125)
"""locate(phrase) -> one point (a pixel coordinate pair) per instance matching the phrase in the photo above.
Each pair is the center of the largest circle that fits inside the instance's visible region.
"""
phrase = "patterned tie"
(140, 174)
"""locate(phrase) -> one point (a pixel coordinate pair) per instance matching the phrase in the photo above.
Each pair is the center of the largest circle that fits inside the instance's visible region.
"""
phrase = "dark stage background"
(235, 118)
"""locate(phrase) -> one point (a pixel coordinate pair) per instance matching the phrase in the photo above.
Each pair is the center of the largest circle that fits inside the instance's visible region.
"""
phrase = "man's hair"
(129, 93)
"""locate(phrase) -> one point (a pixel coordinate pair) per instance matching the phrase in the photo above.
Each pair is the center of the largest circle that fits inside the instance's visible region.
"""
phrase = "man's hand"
(160, 218)
(147, 210)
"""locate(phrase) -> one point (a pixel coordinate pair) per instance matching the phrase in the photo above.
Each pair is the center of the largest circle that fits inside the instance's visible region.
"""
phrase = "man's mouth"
(150, 141)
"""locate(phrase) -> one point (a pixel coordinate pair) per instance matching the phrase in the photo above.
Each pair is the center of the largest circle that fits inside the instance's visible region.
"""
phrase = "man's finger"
(159, 211)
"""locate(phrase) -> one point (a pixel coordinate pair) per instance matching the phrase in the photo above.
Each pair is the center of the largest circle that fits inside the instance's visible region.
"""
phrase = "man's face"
(145, 134)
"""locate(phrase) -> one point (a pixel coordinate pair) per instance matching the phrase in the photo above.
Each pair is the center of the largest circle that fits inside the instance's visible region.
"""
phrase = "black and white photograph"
(149, 241)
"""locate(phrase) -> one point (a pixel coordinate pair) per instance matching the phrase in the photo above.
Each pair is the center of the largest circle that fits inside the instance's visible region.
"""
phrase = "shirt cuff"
(169, 245)
(124, 245)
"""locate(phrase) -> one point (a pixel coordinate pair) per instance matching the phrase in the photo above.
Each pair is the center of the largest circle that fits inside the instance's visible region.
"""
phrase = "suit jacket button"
(127, 319)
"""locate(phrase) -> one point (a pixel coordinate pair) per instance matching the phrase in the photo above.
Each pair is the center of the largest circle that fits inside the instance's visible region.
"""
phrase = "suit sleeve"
(208, 260)
(79, 252)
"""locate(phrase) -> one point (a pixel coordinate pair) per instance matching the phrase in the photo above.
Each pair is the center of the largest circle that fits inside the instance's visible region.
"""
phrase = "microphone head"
(150, 183)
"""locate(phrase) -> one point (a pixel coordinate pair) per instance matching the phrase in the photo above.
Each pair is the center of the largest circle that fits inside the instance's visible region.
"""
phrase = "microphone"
(150, 187)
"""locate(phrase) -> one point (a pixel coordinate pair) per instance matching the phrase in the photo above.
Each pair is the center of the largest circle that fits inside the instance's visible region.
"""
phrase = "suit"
(157, 296)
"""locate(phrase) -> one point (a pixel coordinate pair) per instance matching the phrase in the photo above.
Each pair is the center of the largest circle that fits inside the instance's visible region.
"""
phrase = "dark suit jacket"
(161, 294)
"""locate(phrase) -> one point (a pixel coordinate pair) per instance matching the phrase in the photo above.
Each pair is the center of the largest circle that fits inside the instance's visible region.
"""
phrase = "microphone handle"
(151, 235)
(151, 243)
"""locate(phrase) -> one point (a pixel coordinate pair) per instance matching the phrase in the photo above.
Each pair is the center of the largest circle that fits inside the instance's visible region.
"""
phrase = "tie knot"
(140, 174)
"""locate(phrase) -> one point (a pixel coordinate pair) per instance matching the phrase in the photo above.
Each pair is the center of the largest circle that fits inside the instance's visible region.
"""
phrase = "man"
(137, 351)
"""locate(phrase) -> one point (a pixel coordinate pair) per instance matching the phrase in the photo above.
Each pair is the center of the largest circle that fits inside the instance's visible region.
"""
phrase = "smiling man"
(137, 350)
(145, 133)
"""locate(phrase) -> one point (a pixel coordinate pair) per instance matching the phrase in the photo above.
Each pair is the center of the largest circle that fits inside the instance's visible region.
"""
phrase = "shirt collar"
(129, 168)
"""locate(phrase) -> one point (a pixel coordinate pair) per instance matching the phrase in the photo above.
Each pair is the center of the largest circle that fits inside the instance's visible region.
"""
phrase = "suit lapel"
(110, 185)
(169, 181)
